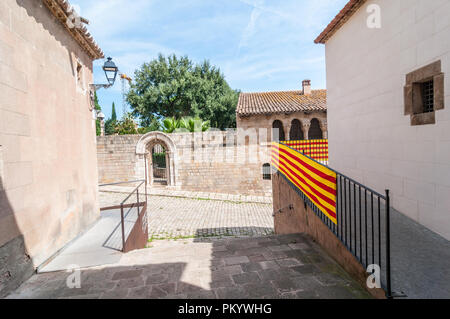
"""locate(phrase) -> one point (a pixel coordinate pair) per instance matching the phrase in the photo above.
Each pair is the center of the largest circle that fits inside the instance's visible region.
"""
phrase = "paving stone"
(289, 262)
(231, 293)
(139, 293)
(236, 260)
(259, 290)
(204, 294)
(271, 275)
(304, 269)
(251, 267)
(157, 279)
(130, 283)
(280, 248)
(327, 279)
(127, 274)
(270, 264)
(246, 278)
(298, 246)
(115, 294)
(273, 255)
(256, 258)
(160, 291)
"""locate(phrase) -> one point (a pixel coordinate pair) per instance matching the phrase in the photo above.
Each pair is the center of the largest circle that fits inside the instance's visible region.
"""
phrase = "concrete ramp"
(100, 245)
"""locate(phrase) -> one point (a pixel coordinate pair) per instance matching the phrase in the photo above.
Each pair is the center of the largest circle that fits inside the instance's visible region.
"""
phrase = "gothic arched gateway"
(160, 152)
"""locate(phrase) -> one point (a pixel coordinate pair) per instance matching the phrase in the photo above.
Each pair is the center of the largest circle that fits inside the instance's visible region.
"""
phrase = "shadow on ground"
(288, 266)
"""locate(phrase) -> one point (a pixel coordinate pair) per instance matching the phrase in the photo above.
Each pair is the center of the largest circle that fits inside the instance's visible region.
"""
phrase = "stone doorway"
(158, 152)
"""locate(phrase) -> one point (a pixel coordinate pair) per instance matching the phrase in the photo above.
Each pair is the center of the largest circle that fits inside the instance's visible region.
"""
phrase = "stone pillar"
(102, 127)
(288, 132)
(324, 128)
(306, 124)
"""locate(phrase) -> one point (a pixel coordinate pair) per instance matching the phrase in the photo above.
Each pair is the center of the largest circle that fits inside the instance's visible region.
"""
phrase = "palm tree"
(170, 124)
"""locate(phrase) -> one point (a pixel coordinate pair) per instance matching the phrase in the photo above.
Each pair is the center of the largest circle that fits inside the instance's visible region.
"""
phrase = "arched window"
(296, 133)
(266, 170)
(277, 131)
(315, 132)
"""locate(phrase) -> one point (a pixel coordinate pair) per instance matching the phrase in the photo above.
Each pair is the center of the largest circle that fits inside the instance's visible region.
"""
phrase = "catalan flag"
(315, 180)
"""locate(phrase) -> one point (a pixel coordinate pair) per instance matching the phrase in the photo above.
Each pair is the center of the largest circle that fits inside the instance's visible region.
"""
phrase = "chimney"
(306, 87)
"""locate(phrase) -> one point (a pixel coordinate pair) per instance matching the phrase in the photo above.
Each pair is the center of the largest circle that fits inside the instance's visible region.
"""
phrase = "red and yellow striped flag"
(316, 181)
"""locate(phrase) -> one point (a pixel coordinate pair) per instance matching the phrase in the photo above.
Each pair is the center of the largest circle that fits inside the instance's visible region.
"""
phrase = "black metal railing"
(363, 223)
(133, 210)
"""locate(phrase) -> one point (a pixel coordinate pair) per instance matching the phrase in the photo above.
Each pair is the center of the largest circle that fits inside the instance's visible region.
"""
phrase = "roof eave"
(59, 9)
(342, 17)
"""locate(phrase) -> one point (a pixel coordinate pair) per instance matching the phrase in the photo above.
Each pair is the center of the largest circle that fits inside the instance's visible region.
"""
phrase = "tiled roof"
(350, 8)
(281, 102)
(60, 9)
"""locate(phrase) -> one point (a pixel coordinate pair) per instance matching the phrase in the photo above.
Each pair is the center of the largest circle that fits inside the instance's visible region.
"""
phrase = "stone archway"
(143, 151)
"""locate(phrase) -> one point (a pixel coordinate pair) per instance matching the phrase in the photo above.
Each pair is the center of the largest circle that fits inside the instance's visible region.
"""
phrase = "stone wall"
(48, 171)
(116, 156)
(217, 162)
(301, 219)
(371, 138)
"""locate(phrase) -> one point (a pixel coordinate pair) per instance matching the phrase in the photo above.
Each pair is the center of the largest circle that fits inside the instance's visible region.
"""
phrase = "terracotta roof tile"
(281, 102)
(350, 8)
(59, 9)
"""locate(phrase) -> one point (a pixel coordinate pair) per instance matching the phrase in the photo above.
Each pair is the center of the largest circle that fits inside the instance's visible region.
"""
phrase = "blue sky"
(260, 45)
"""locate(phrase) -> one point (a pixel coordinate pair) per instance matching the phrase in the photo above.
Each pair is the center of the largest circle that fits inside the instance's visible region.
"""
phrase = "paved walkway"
(167, 192)
(289, 266)
(177, 218)
(420, 260)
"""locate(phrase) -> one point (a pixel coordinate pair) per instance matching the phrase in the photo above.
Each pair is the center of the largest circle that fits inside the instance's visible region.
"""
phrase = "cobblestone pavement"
(180, 218)
(168, 192)
(290, 266)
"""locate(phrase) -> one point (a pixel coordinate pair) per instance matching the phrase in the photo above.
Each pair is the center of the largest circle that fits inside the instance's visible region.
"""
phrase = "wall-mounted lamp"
(111, 71)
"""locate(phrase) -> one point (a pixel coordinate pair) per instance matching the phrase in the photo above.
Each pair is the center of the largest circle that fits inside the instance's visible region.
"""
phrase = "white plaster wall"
(371, 139)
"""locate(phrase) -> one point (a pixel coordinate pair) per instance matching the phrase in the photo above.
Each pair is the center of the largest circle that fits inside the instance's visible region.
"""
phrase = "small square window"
(424, 94)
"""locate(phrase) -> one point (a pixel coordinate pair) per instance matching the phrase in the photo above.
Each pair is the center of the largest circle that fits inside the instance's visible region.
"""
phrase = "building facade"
(388, 66)
(288, 115)
(48, 164)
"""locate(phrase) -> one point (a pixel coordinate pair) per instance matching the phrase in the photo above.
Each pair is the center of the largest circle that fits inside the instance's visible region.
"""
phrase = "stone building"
(298, 115)
(388, 66)
(48, 167)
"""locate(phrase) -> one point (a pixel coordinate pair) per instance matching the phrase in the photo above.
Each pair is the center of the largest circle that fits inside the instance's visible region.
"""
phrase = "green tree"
(113, 112)
(111, 123)
(176, 87)
(126, 126)
(155, 125)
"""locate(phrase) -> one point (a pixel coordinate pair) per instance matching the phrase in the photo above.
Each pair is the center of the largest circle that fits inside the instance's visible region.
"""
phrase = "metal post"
(145, 159)
(388, 246)
(123, 227)
(138, 204)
